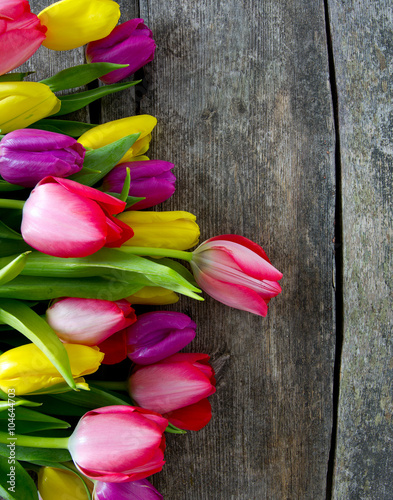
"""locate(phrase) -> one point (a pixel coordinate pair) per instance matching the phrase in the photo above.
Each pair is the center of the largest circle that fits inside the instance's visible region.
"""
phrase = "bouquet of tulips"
(79, 246)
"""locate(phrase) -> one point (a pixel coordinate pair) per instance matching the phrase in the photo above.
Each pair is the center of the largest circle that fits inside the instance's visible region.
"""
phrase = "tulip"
(114, 348)
(112, 131)
(73, 23)
(21, 34)
(119, 443)
(176, 230)
(23, 103)
(173, 385)
(237, 272)
(26, 369)
(28, 155)
(66, 219)
(88, 321)
(153, 295)
(137, 490)
(157, 335)
(54, 484)
(151, 179)
(129, 43)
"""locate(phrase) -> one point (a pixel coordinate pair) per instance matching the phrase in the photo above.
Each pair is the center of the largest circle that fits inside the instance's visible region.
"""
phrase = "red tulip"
(21, 34)
(176, 387)
(237, 272)
(119, 443)
(67, 219)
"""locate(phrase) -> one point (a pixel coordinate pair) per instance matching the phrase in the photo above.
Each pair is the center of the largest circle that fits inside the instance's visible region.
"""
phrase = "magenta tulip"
(88, 321)
(237, 272)
(157, 335)
(150, 179)
(21, 34)
(119, 443)
(136, 490)
(129, 43)
(173, 385)
(67, 219)
(28, 155)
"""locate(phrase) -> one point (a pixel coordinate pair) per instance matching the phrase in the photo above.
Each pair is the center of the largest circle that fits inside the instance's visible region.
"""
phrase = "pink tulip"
(129, 43)
(173, 385)
(119, 443)
(89, 321)
(136, 490)
(21, 34)
(237, 272)
(67, 219)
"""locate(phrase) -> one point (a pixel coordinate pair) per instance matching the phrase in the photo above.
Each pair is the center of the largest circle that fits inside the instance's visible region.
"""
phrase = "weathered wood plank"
(363, 54)
(241, 93)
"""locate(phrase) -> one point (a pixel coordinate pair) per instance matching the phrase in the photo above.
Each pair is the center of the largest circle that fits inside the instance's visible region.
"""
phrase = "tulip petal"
(137, 490)
(193, 417)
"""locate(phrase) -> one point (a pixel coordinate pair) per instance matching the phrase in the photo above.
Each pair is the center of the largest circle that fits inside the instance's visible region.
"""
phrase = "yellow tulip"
(177, 230)
(55, 484)
(23, 103)
(153, 295)
(72, 23)
(112, 131)
(26, 369)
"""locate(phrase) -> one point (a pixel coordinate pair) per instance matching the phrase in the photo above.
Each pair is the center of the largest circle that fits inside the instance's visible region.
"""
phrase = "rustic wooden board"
(363, 54)
(242, 97)
(241, 93)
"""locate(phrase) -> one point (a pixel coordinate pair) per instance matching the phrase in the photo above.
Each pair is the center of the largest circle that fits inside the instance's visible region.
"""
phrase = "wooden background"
(278, 117)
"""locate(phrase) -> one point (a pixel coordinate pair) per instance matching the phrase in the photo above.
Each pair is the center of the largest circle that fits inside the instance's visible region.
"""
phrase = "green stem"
(4, 203)
(34, 441)
(157, 252)
(114, 386)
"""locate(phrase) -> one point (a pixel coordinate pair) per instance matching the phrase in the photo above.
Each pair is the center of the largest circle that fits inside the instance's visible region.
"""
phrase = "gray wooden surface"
(242, 95)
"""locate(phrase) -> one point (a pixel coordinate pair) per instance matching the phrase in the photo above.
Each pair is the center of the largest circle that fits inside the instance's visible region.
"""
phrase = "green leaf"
(9, 248)
(20, 401)
(15, 267)
(26, 321)
(43, 288)
(67, 127)
(15, 77)
(95, 398)
(79, 75)
(172, 429)
(104, 159)
(7, 232)
(6, 186)
(179, 268)
(23, 487)
(130, 200)
(73, 102)
(119, 265)
(32, 454)
(126, 186)
(5, 405)
(27, 420)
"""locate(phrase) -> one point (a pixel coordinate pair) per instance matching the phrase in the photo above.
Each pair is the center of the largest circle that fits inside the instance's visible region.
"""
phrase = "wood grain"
(363, 54)
(241, 93)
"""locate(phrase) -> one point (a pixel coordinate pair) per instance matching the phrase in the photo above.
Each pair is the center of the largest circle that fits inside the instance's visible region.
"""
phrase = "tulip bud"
(26, 368)
(88, 321)
(23, 103)
(237, 272)
(67, 219)
(119, 443)
(176, 230)
(73, 23)
(151, 179)
(113, 131)
(137, 490)
(129, 43)
(21, 34)
(157, 335)
(55, 484)
(28, 155)
(177, 387)
(153, 295)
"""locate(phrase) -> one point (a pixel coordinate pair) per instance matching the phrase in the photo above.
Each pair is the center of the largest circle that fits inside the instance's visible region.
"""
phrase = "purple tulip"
(138, 490)
(129, 43)
(27, 156)
(151, 179)
(157, 335)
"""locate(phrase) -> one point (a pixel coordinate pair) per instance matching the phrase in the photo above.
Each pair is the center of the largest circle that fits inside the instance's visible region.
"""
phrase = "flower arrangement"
(78, 250)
